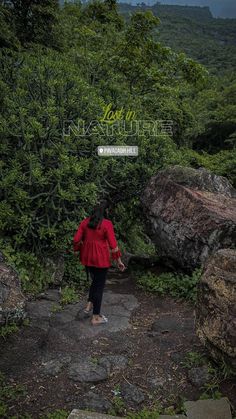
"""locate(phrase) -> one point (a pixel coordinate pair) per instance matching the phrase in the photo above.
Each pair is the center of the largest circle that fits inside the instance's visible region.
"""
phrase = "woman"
(94, 239)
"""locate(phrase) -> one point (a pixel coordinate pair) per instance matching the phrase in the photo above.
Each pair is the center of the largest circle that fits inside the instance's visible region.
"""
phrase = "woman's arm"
(115, 251)
(77, 240)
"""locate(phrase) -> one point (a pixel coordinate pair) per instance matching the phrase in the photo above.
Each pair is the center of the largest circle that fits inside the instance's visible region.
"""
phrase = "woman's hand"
(121, 266)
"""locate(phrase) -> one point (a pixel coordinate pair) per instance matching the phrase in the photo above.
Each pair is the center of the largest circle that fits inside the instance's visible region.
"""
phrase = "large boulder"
(12, 301)
(190, 214)
(216, 306)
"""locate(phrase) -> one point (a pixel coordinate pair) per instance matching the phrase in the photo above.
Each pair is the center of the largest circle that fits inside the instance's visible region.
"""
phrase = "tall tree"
(34, 20)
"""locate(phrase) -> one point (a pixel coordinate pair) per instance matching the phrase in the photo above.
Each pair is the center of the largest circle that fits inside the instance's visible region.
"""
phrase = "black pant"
(98, 276)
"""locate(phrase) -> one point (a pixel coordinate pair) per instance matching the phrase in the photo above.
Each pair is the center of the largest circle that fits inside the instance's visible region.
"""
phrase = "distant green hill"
(219, 8)
(211, 41)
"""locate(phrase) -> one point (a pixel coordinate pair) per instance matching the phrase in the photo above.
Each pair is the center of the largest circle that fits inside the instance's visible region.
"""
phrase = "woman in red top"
(94, 239)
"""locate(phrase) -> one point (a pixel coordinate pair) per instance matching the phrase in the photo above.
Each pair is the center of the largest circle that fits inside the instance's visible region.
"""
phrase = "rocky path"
(139, 356)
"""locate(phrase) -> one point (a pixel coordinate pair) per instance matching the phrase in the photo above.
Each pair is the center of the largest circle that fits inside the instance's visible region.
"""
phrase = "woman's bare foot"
(89, 306)
(98, 319)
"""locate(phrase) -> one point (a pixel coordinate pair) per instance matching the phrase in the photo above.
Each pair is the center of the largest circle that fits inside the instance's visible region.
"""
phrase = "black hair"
(99, 212)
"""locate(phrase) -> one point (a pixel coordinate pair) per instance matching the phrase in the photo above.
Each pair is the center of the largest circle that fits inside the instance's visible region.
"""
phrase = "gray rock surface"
(80, 414)
(190, 214)
(64, 324)
(113, 363)
(95, 402)
(216, 306)
(98, 369)
(172, 417)
(200, 179)
(208, 409)
(51, 295)
(54, 366)
(87, 371)
(131, 393)
(155, 380)
(12, 300)
(199, 376)
(170, 324)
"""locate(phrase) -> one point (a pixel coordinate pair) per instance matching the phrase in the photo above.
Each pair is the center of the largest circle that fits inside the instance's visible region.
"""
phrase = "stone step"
(82, 414)
(171, 417)
(208, 409)
(201, 409)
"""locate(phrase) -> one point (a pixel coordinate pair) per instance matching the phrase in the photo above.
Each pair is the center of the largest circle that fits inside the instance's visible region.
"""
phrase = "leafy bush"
(28, 266)
(68, 295)
(50, 181)
(75, 273)
(168, 283)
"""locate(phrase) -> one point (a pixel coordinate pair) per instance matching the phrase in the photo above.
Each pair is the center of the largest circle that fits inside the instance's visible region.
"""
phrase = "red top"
(95, 244)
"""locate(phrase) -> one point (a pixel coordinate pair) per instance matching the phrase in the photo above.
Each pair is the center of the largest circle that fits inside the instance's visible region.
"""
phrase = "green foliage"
(8, 330)
(58, 414)
(75, 273)
(217, 373)
(167, 283)
(133, 237)
(33, 21)
(211, 391)
(194, 31)
(30, 269)
(65, 64)
(118, 406)
(68, 295)
(193, 359)
(145, 414)
(8, 394)
(56, 308)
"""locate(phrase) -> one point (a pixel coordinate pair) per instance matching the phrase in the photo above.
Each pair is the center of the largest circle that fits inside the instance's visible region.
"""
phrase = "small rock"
(95, 402)
(156, 382)
(113, 362)
(132, 393)
(87, 371)
(54, 366)
(198, 376)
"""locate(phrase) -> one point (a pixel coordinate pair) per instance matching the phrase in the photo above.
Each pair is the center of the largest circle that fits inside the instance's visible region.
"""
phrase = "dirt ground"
(156, 358)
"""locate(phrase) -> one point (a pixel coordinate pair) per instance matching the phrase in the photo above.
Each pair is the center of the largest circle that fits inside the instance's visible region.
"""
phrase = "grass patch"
(10, 394)
(58, 414)
(69, 294)
(8, 330)
(169, 283)
(145, 414)
(194, 359)
(118, 406)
